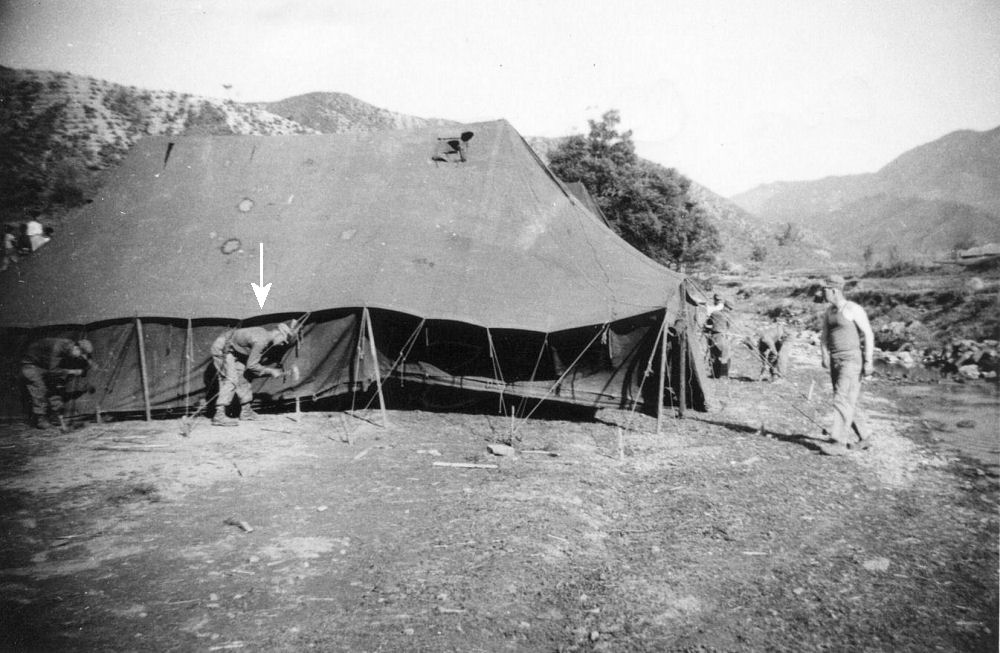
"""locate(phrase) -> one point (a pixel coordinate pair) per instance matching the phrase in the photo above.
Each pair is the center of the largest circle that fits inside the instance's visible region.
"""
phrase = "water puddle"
(957, 418)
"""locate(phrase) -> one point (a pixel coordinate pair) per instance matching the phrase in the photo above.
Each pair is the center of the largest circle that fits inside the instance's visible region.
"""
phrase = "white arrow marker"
(261, 290)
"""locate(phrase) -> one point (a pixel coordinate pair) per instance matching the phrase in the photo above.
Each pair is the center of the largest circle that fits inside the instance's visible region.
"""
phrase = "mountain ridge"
(950, 186)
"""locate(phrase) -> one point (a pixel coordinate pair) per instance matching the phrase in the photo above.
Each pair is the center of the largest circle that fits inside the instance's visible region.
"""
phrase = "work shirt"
(719, 322)
(772, 338)
(249, 344)
(52, 355)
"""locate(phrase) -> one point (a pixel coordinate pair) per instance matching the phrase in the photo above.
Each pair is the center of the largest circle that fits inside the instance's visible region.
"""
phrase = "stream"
(957, 418)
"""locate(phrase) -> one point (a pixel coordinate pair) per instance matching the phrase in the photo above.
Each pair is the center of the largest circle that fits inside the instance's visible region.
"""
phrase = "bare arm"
(860, 319)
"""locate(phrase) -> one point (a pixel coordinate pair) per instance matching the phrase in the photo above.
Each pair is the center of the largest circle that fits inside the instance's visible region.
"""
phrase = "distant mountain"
(334, 113)
(927, 201)
(895, 228)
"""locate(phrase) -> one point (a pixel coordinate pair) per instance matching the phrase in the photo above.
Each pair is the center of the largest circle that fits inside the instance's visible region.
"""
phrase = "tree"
(791, 234)
(645, 203)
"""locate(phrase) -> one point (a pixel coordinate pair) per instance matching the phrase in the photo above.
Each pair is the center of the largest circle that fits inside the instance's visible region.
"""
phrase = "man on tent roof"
(237, 355)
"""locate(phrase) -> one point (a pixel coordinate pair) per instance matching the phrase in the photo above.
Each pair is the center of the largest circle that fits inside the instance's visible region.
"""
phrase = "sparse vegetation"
(645, 203)
(759, 253)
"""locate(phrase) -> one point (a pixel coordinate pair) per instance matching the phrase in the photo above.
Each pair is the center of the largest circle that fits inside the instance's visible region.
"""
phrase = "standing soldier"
(237, 354)
(847, 346)
(47, 364)
(719, 323)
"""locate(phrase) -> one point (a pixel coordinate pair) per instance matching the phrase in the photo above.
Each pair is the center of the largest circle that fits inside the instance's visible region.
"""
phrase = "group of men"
(769, 343)
(49, 365)
(847, 345)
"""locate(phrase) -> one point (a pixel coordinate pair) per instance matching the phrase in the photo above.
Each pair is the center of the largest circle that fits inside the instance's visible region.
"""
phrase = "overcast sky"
(732, 93)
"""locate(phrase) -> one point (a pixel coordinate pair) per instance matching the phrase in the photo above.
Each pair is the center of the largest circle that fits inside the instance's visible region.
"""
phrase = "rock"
(975, 284)
(966, 424)
(876, 564)
(500, 450)
(969, 371)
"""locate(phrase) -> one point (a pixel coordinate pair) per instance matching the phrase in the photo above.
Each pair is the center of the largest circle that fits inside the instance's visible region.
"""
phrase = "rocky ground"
(727, 531)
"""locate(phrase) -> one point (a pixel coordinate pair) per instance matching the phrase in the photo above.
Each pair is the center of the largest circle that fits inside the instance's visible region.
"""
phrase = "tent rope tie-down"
(404, 353)
(534, 371)
(499, 381)
(648, 372)
(515, 426)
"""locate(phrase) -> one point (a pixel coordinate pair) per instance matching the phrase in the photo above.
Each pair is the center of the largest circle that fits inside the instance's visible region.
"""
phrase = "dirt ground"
(727, 532)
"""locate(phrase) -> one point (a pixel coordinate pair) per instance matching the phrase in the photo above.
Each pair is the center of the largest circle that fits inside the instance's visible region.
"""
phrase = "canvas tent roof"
(581, 193)
(346, 221)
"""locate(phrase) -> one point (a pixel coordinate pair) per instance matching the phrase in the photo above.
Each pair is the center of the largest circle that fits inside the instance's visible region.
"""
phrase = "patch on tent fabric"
(231, 246)
(451, 149)
(245, 205)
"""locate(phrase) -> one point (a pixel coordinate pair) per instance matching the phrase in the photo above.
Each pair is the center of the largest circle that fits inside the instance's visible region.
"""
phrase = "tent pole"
(682, 336)
(188, 351)
(378, 377)
(142, 367)
(663, 371)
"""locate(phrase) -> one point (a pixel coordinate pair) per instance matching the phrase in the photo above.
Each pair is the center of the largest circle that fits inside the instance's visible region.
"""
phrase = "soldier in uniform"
(47, 364)
(773, 350)
(237, 355)
(720, 351)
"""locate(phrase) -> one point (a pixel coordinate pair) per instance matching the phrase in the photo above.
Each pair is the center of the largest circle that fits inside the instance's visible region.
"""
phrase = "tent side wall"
(612, 366)
(179, 371)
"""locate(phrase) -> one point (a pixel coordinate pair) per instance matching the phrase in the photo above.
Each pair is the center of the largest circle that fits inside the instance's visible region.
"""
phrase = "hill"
(928, 201)
(59, 132)
(333, 113)
(746, 238)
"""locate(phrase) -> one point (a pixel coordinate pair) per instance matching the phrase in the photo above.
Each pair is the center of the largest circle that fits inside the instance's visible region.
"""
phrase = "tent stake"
(378, 377)
(142, 367)
(663, 371)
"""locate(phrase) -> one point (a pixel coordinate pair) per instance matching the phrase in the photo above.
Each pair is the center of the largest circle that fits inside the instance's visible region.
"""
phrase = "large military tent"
(447, 256)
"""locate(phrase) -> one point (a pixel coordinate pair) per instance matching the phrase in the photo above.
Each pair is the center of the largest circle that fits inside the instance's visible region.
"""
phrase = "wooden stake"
(465, 465)
(378, 377)
(142, 368)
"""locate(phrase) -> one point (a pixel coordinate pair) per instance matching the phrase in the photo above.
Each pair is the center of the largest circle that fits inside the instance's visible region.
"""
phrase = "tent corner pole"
(682, 336)
(188, 355)
(142, 368)
(378, 376)
(663, 372)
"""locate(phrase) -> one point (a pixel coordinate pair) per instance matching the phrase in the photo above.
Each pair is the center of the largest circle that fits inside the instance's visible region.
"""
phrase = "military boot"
(247, 413)
(220, 419)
